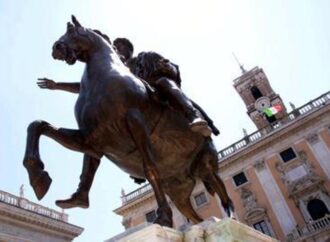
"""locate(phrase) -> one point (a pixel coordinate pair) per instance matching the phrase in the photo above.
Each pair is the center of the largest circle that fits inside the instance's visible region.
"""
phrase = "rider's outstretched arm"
(46, 83)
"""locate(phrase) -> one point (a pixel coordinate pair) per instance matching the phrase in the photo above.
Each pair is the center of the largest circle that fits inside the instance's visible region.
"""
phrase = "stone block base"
(226, 230)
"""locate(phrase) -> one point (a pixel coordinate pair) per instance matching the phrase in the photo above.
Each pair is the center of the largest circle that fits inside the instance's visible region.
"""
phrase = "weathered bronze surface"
(119, 118)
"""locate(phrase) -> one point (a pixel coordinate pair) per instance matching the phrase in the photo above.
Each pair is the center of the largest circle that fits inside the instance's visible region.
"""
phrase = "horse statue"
(118, 119)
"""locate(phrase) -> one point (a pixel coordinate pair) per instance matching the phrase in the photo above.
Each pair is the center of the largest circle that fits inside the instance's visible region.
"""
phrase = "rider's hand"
(46, 83)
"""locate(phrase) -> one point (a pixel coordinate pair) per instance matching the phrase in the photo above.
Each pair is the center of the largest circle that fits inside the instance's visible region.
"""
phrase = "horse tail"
(183, 202)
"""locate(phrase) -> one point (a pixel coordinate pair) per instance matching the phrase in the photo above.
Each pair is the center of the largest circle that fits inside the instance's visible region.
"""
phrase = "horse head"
(78, 43)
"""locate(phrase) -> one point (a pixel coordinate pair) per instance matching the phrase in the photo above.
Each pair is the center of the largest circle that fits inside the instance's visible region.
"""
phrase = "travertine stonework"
(25, 221)
(227, 230)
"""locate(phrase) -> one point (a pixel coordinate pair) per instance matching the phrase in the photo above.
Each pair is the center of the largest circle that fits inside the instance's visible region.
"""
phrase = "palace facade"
(278, 177)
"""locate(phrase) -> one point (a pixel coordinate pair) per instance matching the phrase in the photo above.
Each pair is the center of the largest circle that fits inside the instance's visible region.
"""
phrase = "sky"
(290, 40)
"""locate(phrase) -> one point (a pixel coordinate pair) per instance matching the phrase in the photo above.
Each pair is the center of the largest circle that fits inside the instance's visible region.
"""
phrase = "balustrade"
(23, 203)
(301, 111)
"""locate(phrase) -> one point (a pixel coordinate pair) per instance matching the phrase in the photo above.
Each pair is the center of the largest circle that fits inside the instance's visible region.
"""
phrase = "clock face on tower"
(262, 103)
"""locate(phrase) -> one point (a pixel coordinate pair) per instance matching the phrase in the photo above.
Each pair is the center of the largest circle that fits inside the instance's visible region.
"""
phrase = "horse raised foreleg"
(72, 139)
(140, 135)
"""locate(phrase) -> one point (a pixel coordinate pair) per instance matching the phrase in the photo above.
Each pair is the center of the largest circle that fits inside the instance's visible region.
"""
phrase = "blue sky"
(290, 40)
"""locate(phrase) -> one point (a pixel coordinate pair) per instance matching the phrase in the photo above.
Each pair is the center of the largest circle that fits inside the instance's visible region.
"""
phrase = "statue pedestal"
(149, 233)
(225, 230)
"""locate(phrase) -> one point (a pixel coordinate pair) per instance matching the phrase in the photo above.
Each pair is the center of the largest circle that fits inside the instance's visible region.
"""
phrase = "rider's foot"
(199, 125)
(78, 199)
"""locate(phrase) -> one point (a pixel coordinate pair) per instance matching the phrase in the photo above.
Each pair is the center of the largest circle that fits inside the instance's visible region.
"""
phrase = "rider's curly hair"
(125, 42)
(147, 67)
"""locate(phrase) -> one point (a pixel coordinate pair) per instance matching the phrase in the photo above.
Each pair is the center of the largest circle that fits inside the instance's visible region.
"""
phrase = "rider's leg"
(180, 102)
(80, 197)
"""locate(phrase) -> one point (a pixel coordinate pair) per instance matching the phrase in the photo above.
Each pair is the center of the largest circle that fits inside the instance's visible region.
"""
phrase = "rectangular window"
(240, 179)
(262, 227)
(151, 216)
(200, 199)
(288, 154)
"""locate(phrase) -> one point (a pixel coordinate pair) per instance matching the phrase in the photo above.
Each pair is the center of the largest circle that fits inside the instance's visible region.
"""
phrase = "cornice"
(134, 204)
(39, 222)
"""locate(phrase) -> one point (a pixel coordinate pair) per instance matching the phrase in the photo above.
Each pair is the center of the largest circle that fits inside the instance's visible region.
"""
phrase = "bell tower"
(254, 88)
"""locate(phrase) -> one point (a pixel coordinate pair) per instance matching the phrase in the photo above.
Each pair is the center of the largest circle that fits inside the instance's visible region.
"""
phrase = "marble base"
(211, 230)
(149, 233)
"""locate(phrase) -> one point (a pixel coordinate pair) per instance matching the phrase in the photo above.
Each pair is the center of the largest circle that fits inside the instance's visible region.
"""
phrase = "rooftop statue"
(119, 118)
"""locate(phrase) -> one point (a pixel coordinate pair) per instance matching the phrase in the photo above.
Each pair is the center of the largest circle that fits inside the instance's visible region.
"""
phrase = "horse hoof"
(229, 209)
(41, 184)
(164, 217)
(164, 222)
(76, 200)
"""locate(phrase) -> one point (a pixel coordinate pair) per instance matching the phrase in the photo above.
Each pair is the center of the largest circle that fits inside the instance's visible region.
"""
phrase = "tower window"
(200, 199)
(262, 227)
(317, 209)
(240, 179)
(288, 154)
(256, 93)
(151, 216)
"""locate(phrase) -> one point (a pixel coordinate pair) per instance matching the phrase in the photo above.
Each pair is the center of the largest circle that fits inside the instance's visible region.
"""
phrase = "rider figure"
(166, 80)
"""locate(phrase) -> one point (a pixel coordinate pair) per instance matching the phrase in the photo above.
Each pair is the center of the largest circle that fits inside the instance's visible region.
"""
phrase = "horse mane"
(104, 36)
(90, 34)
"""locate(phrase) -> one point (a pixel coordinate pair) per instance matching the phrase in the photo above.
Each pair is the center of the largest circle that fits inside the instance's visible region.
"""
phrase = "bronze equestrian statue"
(149, 66)
(118, 118)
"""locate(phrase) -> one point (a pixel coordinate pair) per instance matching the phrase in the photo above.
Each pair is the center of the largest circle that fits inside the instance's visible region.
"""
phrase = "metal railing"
(25, 204)
(309, 229)
(304, 110)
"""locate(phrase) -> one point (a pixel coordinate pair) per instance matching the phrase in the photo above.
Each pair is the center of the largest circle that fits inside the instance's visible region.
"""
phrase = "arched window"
(256, 93)
(317, 209)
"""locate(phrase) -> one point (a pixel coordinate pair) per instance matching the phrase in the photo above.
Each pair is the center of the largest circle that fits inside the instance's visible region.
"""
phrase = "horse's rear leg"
(219, 187)
(140, 135)
(187, 210)
(180, 195)
(213, 183)
(72, 139)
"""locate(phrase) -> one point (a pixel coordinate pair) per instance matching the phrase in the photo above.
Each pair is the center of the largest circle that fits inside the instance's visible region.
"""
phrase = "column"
(321, 152)
(275, 197)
